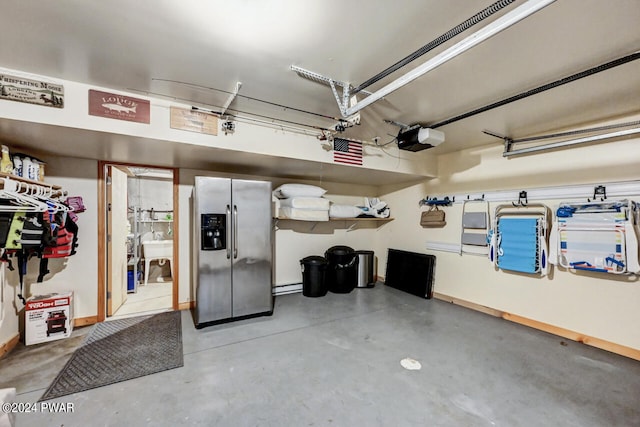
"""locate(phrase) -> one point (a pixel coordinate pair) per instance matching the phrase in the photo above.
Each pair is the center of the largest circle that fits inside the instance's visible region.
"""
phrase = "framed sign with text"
(120, 107)
(13, 88)
(194, 121)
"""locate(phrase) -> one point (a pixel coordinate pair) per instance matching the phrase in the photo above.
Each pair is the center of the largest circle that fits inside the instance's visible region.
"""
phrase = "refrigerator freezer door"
(251, 211)
(213, 277)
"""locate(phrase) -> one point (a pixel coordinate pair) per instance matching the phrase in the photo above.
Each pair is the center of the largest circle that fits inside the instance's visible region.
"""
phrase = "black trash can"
(313, 276)
(342, 269)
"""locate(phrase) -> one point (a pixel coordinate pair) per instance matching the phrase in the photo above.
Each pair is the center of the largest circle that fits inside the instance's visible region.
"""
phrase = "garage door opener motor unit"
(417, 138)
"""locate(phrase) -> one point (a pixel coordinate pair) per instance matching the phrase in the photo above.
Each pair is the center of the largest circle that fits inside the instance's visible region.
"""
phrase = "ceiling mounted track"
(475, 19)
(545, 87)
(349, 106)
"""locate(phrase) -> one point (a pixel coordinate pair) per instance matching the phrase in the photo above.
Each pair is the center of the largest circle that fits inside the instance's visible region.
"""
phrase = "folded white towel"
(316, 203)
(344, 211)
(304, 214)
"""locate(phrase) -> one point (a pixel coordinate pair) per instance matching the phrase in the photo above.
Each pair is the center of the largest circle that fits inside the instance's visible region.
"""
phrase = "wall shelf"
(29, 181)
(280, 218)
(155, 220)
(352, 221)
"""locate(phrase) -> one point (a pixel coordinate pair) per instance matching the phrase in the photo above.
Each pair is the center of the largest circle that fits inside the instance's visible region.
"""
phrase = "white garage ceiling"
(195, 50)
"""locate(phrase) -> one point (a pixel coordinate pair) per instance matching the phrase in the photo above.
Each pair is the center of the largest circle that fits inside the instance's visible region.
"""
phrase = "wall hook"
(600, 191)
(522, 200)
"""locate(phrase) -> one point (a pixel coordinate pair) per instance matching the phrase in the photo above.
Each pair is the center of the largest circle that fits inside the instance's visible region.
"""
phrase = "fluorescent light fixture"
(572, 142)
(502, 23)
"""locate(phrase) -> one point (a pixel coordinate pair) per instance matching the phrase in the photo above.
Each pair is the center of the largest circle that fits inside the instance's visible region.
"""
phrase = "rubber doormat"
(121, 350)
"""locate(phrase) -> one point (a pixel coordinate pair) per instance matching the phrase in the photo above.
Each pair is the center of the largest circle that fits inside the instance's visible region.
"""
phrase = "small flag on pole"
(345, 151)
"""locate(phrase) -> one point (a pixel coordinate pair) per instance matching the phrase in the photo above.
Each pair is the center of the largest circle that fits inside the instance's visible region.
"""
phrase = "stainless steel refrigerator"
(232, 251)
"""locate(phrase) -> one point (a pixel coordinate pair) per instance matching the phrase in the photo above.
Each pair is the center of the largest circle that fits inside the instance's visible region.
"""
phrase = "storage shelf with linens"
(302, 202)
(284, 218)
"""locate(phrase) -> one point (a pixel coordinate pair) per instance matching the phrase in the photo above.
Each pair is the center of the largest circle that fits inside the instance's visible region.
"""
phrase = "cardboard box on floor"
(48, 317)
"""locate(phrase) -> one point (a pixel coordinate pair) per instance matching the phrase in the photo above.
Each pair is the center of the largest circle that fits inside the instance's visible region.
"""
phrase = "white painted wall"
(150, 193)
(597, 305)
(247, 138)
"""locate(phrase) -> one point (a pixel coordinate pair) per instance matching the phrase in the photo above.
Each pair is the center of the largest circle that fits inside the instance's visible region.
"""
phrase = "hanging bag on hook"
(434, 217)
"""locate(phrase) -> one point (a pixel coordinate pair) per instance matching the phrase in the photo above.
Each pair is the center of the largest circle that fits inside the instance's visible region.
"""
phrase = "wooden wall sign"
(114, 106)
(19, 89)
(194, 121)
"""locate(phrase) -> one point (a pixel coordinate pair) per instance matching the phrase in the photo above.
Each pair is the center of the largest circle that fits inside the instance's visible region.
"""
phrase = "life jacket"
(63, 245)
(35, 231)
(15, 231)
(5, 224)
(42, 234)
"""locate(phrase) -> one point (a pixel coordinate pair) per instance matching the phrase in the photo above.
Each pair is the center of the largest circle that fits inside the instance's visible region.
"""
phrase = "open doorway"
(140, 274)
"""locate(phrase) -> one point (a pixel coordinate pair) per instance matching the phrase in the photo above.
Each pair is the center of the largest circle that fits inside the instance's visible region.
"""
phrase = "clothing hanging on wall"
(34, 222)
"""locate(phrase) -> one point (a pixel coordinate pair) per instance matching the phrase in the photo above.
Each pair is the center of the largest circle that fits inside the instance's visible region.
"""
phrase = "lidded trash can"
(365, 269)
(313, 276)
(342, 269)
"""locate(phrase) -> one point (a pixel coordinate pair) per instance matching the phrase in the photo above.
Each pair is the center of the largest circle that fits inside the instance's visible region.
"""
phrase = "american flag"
(345, 151)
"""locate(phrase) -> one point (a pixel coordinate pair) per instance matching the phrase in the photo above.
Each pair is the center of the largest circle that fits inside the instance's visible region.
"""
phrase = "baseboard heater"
(411, 272)
(287, 289)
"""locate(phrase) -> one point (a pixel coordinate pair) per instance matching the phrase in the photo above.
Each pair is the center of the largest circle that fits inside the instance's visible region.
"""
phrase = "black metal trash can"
(365, 269)
(342, 269)
(313, 276)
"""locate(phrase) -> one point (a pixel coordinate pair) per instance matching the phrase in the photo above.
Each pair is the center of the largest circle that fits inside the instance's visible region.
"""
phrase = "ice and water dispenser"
(213, 236)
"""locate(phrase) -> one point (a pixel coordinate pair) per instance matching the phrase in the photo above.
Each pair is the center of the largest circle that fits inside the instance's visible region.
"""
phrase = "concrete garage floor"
(335, 361)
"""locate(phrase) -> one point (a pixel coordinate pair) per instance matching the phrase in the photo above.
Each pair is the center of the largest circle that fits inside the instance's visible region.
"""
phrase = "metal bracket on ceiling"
(319, 78)
(345, 101)
(508, 142)
(231, 98)
(342, 104)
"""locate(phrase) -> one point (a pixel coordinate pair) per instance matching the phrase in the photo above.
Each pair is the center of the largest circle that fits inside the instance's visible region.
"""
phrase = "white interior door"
(116, 239)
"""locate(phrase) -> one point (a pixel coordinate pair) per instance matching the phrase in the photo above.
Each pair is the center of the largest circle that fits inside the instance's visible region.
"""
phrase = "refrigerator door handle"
(227, 231)
(235, 231)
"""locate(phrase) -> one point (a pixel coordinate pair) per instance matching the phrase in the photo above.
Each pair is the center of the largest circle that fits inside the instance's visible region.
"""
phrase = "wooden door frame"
(102, 233)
